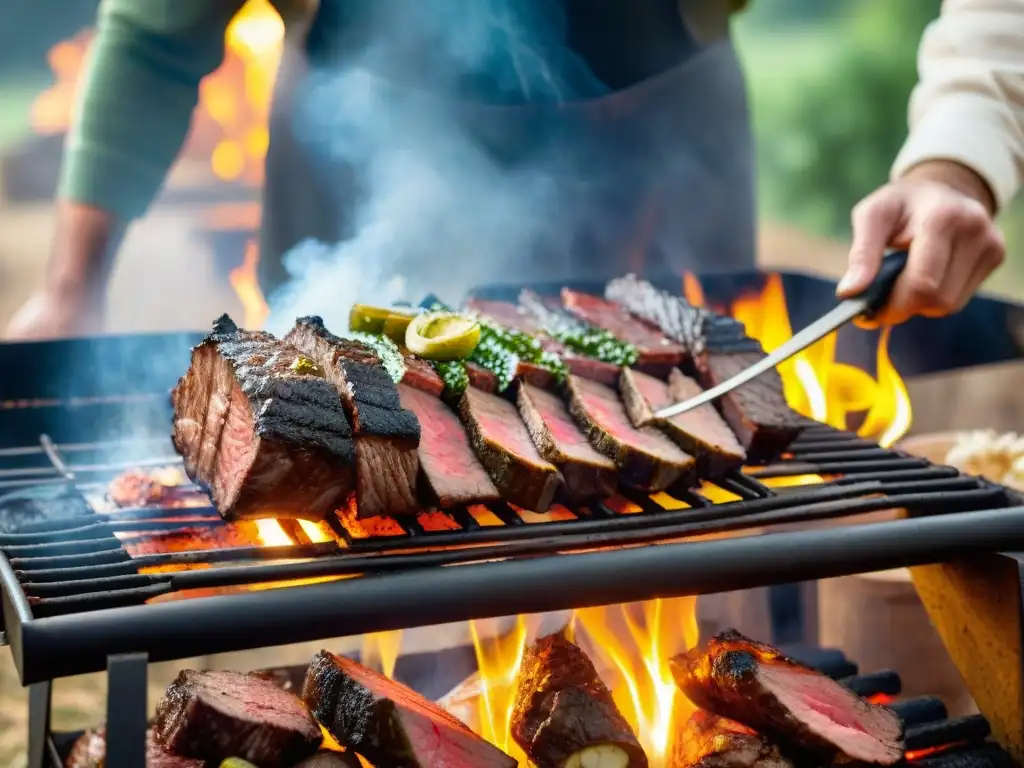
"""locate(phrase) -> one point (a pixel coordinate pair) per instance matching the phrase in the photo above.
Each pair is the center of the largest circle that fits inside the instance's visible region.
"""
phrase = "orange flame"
(244, 280)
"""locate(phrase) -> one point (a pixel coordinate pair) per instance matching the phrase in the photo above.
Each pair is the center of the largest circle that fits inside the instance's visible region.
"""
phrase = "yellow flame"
(381, 650)
(244, 280)
(499, 660)
(272, 534)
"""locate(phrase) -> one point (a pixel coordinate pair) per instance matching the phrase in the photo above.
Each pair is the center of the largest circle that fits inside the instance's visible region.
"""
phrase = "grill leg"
(126, 710)
(39, 695)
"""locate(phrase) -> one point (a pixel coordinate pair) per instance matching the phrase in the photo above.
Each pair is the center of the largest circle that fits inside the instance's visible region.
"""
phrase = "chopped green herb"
(598, 344)
(386, 350)
(454, 376)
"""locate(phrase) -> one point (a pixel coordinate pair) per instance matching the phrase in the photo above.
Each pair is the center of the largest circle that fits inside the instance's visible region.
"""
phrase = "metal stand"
(39, 697)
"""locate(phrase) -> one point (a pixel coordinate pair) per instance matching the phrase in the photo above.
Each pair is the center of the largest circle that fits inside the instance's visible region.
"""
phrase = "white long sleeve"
(968, 105)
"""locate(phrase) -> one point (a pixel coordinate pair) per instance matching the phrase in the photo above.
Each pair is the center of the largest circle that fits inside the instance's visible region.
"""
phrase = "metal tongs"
(866, 304)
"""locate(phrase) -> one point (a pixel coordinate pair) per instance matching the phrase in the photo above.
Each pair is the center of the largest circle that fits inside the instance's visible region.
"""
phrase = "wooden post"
(976, 606)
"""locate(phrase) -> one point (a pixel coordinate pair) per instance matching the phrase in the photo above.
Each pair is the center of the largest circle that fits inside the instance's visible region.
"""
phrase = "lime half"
(367, 319)
(442, 336)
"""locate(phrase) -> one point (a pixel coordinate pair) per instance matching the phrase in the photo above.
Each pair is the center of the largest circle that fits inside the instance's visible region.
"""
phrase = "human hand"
(942, 213)
(49, 314)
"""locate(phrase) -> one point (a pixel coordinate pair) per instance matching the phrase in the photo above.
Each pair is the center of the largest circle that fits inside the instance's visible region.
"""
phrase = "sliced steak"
(587, 473)
(505, 448)
(758, 412)
(216, 715)
(645, 457)
(421, 374)
(388, 723)
(756, 685)
(710, 741)
(563, 714)
(451, 474)
(90, 751)
(481, 378)
(656, 350)
(386, 435)
(261, 428)
(701, 432)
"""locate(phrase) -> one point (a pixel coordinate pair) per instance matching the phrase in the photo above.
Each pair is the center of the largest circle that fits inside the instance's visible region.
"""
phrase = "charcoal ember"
(563, 713)
(587, 473)
(505, 448)
(386, 434)
(709, 741)
(700, 432)
(90, 751)
(646, 458)
(756, 411)
(40, 503)
(388, 723)
(756, 685)
(217, 715)
(261, 429)
(451, 474)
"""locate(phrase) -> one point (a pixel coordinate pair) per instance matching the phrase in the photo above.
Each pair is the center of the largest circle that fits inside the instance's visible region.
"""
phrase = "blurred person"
(961, 164)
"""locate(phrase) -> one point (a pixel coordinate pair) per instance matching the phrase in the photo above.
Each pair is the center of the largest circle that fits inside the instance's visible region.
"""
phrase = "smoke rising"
(446, 192)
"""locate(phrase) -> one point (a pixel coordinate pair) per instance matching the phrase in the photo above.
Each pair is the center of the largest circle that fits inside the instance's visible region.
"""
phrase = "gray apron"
(655, 178)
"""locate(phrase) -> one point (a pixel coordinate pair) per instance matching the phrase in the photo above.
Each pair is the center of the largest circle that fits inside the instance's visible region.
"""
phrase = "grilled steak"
(328, 758)
(388, 723)
(700, 432)
(505, 448)
(90, 751)
(757, 686)
(481, 378)
(656, 350)
(386, 435)
(561, 709)
(758, 412)
(421, 374)
(450, 472)
(587, 473)
(645, 457)
(216, 715)
(265, 438)
(710, 741)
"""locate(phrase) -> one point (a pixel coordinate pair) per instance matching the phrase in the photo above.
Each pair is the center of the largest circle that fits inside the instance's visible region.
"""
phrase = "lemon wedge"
(387, 321)
(442, 336)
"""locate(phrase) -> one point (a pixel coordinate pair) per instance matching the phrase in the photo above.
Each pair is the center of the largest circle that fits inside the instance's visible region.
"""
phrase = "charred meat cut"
(450, 472)
(563, 713)
(655, 349)
(700, 432)
(756, 685)
(645, 457)
(757, 411)
(388, 723)
(506, 450)
(587, 473)
(386, 434)
(261, 429)
(710, 741)
(216, 715)
(90, 751)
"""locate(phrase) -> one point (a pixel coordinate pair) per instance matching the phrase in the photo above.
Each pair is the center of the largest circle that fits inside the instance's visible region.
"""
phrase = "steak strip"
(90, 751)
(386, 434)
(264, 437)
(710, 741)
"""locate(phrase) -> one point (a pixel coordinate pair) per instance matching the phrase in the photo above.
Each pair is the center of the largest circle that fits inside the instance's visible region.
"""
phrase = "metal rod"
(789, 469)
(125, 514)
(98, 529)
(126, 710)
(54, 455)
(40, 696)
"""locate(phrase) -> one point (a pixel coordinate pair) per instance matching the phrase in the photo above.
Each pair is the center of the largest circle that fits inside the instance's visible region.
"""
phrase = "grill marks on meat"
(386, 435)
(757, 411)
(587, 473)
(265, 440)
(90, 751)
(757, 686)
(506, 450)
(700, 432)
(710, 741)
(216, 715)
(388, 723)
(561, 708)
(645, 457)
(657, 351)
(450, 472)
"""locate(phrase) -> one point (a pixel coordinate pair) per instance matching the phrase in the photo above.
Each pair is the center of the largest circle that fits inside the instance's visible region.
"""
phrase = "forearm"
(968, 107)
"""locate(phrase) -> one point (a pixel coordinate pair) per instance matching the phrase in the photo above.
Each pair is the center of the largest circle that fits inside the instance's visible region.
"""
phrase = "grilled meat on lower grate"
(386, 435)
(505, 448)
(701, 432)
(90, 751)
(587, 473)
(562, 709)
(645, 457)
(389, 724)
(450, 471)
(710, 741)
(266, 438)
(756, 685)
(216, 715)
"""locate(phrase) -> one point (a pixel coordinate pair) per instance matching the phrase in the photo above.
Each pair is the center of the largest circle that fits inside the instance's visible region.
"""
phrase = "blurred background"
(829, 84)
